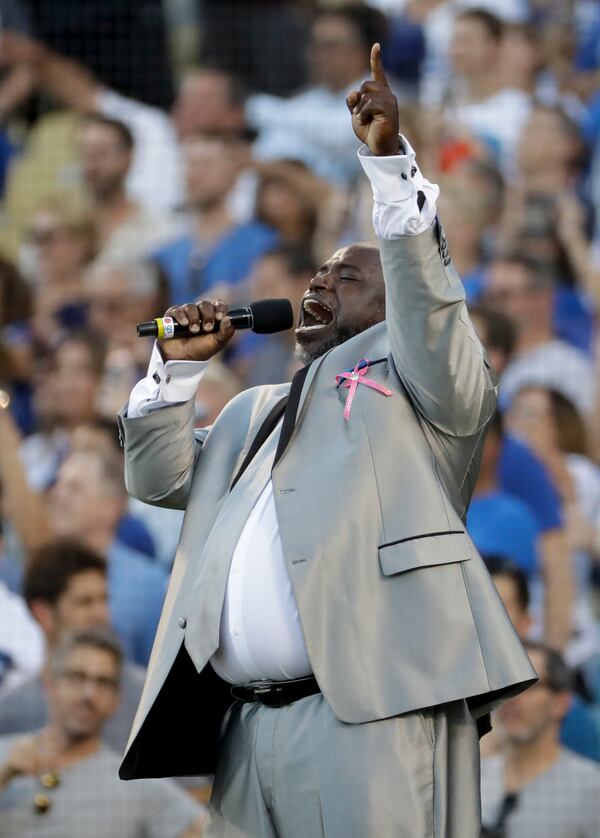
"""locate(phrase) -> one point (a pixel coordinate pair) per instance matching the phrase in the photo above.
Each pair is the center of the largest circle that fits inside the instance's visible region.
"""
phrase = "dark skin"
(346, 295)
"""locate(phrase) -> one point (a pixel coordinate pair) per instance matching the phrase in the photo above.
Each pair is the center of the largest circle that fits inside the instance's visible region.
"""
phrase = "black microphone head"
(271, 316)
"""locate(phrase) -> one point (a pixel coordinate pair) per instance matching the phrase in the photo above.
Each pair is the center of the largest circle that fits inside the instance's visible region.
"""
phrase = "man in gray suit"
(324, 576)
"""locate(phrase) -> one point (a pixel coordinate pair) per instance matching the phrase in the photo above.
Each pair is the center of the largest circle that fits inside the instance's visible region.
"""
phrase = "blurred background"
(154, 152)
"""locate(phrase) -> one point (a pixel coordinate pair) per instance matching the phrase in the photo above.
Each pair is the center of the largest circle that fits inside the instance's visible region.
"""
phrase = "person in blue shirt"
(522, 474)
(87, 503)
(497, 521)
(215, 251)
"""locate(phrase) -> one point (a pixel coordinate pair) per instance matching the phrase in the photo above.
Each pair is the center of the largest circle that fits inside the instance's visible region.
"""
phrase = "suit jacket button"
(182, 622)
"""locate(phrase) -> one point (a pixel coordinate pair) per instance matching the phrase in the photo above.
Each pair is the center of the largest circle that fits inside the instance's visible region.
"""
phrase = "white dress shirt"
(261, 636)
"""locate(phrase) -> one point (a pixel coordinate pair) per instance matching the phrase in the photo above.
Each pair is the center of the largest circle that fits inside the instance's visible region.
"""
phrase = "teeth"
(318, 311)
(302, 329)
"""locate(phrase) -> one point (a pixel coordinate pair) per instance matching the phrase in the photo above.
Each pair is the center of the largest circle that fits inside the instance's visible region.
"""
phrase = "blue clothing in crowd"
(579, 732)
(136, 590)
(191, 271)
(523, 475)
(573, 314)
(503, 525)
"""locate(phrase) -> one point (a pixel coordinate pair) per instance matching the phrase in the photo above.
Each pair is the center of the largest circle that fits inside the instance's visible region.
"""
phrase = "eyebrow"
(346, 265)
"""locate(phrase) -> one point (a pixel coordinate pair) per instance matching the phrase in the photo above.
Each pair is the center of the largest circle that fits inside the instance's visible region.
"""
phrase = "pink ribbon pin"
(351, 380)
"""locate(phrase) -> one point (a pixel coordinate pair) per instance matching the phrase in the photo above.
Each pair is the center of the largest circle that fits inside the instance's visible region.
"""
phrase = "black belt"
(276, 693)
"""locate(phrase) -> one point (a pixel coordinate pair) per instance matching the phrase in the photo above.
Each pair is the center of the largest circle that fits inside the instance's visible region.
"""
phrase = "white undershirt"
(261, 636)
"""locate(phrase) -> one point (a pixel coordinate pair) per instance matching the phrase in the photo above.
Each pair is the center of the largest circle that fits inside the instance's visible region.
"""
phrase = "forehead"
(508, 274)
(334, 26)
(80, 465)
(90, 659)
(96, 133)
(86, 580)
(362, 258)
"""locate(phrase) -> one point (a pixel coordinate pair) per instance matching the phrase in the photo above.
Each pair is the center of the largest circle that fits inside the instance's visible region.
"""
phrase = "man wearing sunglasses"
(65, 775)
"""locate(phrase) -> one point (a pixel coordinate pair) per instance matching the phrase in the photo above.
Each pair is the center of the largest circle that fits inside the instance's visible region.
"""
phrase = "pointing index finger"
(377, 73)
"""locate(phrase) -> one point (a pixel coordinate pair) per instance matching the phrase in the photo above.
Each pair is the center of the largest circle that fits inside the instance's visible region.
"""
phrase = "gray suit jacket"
(397, 608)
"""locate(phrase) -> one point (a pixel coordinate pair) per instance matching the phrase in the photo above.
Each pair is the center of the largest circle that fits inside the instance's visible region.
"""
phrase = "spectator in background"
(534, 786)
(290, 199)
(437, 19)
(65, 590)
(497, 521)
(209, 99)
(497, 334)
(551, 426)
(16, 348)
(522, 474)
(219, 385)
(339, 50)
(126, 230)
(521, 289)
(511, 583)
(87, 503)
(283, 272)
(154, 177)
(469, 207)
(578, 730)
(482, 104)
(66, 396)
(64, 774)
(61, 240)
(216, 251)
(119, 296)
(546, 217)
(21, 642)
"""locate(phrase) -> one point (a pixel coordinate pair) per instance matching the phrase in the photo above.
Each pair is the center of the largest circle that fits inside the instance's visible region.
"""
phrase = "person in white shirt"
(295, 128)
(438, 19)
(478, 99)
(126, 229)
(21, 642)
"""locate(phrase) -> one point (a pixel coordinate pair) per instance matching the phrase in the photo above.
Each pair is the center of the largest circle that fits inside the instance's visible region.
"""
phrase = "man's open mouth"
(315, 316)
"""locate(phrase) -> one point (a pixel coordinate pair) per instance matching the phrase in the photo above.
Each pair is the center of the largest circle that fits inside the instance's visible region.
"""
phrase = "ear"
(43, 613)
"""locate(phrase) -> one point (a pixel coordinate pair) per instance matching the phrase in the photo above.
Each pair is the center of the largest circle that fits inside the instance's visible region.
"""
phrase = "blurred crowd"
(153, 152)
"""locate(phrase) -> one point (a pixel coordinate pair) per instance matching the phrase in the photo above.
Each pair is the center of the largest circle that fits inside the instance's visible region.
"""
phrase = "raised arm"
(433, 343)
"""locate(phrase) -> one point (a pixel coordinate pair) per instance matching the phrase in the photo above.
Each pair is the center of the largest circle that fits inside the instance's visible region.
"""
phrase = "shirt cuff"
(167, 383)
(394, 179)
(404, 202)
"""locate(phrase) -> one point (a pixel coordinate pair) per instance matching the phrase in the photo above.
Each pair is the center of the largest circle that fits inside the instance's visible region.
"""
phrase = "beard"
(307, 353)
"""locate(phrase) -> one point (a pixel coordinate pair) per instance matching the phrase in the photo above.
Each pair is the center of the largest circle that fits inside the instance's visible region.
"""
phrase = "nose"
(323, 279)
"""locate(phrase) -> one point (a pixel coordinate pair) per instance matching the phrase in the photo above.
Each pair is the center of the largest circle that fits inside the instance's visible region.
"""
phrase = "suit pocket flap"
(424, 551)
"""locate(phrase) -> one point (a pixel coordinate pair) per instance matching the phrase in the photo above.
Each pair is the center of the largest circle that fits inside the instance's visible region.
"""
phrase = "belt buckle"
(266, 693)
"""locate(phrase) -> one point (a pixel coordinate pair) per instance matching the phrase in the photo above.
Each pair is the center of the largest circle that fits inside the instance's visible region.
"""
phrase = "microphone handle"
(165, 328)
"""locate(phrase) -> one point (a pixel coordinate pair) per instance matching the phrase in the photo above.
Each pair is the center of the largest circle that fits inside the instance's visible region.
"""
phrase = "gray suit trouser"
(298, 772)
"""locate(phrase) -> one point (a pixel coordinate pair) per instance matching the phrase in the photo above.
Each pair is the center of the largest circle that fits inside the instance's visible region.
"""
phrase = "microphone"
(264, 317)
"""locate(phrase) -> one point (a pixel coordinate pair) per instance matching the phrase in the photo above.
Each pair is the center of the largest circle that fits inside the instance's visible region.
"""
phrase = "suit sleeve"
(161, 449)
(433, 343)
